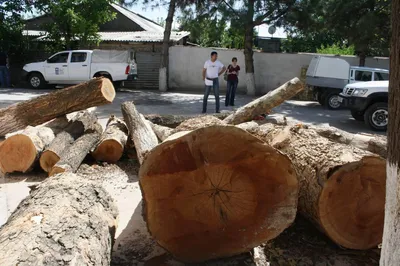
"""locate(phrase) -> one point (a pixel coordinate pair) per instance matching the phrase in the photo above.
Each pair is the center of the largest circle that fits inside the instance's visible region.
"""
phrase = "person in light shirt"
(211, 72)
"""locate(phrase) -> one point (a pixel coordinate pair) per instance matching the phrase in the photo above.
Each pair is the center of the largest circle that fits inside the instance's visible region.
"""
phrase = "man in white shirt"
(211, 71)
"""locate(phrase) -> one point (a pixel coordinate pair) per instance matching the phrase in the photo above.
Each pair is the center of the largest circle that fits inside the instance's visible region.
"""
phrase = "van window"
(78, 57)
(381, 76)
(58, 58)
(363, 75)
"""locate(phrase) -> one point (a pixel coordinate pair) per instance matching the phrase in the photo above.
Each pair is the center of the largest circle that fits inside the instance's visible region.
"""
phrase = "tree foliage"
(337, 49)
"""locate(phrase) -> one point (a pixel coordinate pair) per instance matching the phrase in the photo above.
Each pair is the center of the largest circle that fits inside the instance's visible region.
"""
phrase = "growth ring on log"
(352, 204)
(216, 192)
(19, 154)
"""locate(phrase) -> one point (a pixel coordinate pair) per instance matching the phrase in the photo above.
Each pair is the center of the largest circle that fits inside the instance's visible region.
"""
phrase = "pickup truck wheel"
(376, 116)
(357, 115)
(332, 101)
(36, 81)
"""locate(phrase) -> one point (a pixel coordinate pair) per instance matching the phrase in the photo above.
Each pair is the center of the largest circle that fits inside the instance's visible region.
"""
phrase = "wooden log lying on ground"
(72, 157)
(20, 151)
(65, 221)
(44, 108)
(173, 121)
(112, 142)
(266, 103)
(140, 131)
(161, 132)
(342, 188)
(81, 122)
(216, 192)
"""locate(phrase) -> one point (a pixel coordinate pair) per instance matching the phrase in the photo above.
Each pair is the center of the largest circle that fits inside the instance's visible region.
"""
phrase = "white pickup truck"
(73, 67)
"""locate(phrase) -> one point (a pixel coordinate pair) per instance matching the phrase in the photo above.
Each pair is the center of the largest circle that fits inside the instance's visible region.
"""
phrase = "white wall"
(271, 69)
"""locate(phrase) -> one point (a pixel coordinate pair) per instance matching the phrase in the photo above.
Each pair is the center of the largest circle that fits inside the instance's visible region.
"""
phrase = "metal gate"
(148, 64)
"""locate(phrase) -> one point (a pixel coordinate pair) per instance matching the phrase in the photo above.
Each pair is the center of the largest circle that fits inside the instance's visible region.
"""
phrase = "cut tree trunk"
(390, 254)
(140, 131)
(248, 49)
(199, 122)
(65, 221)
(342, 188)
(266, 103)
(173, 121)
(81, 122)
(112, 143)
(216, 192)
(72, 157)
(21, 151)
(161, 131)
(44, 108)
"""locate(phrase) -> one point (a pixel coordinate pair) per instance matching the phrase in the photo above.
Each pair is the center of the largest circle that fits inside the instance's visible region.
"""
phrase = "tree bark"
(342, 188)
(206, 198)
(21, 151)
(72, 157)
(82, 121)
(44, 108)
(161, 132)
(199, 122)
(173, 121)
(248, 49)
(390, 254)
(266, 103)
(112, 143)
(65, 221)
(163, 75)
(140, 131)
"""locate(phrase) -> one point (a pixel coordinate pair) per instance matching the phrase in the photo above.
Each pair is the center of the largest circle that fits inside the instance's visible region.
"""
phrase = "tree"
(390, 254)
(336, 49)
(75, 21)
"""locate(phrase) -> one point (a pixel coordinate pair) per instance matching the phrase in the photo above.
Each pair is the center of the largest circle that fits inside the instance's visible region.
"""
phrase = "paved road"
(149, 102)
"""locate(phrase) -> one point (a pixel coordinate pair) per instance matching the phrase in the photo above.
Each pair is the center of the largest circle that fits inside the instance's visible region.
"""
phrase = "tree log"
(44, 108)
(215, 192)
(140, 131)
(81, 122)
(20, 151)
(112, 142)
(266, 103)
(161, 132)
(342, 188)
(72, 157)
(65, 221)
(172, 121)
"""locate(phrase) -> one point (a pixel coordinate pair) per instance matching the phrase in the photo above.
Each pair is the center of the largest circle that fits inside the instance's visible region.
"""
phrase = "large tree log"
(112, 142)
(342, 188)
(173, 121)
(72, 157)
(65, 221)
(216, 192)
(161, 132)
(266, 103)
(44, 108)
(20, 151)
(81, 122)
(140, 131)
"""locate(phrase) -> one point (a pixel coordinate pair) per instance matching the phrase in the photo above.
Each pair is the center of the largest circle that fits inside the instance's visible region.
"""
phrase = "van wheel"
(332, 101)
(376, 116)
(357, 115)
(320, 97)
(36, 81)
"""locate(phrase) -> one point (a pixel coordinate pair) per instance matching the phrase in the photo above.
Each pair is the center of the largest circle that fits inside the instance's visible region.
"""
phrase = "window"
(381, 76)
(78, 57)
(58, 58)
(363, 75)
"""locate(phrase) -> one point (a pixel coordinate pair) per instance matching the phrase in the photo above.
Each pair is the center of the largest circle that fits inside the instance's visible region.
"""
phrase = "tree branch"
(231, 8)
(261, 20)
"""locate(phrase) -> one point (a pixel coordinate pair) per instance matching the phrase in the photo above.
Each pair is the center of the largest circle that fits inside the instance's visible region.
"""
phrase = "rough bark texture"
(72, 157)
(139, 130)
(390, 254)
(199, 122)
(216, 192)
(112, 143)
(173, 121)
(81, 122)
(265, 103)
(248, 48)
(161, 131)
(44, 108)
(342, 188)
(20, 151)
(65, 221)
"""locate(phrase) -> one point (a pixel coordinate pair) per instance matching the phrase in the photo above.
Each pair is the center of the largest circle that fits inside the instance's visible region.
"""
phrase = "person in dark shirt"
(232, 82)
(4, 74)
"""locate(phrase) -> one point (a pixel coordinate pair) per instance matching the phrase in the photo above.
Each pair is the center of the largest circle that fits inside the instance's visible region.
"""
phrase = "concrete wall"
(271, 69)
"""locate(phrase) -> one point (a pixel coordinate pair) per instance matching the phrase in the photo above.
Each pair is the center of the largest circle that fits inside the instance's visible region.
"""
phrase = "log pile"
(212, 186)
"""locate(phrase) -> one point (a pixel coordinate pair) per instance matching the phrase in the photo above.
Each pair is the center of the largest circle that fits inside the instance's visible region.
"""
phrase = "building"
(127, 30)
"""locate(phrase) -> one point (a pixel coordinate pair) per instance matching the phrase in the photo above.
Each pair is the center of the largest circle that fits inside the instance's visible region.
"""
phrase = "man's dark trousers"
(215, 87)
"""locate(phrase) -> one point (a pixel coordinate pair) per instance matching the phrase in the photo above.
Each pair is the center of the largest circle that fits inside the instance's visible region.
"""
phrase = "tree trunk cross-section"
(216, 192)
(65, 221)
(44, 108)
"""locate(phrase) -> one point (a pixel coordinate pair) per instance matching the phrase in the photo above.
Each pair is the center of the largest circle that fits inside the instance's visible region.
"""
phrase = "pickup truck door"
(56, 67)
(79, 66)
